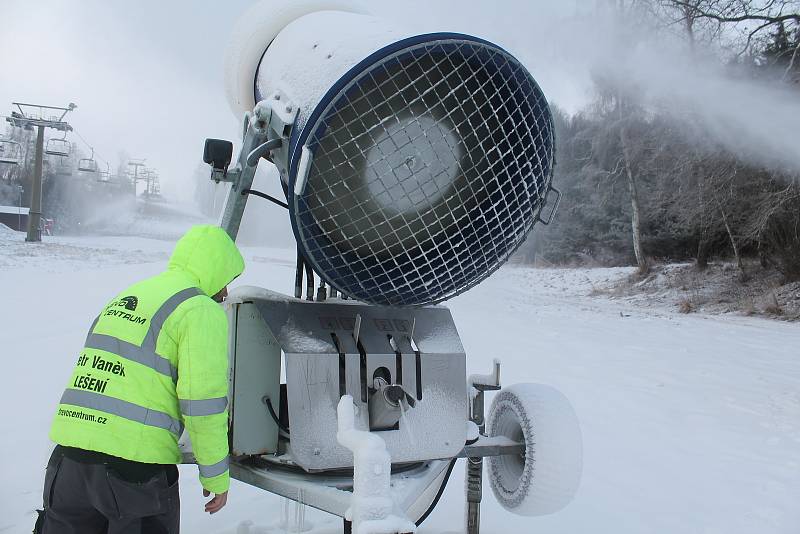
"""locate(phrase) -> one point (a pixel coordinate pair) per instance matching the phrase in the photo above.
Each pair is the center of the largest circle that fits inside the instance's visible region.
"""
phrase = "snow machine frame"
(365, 369)
(339, 333)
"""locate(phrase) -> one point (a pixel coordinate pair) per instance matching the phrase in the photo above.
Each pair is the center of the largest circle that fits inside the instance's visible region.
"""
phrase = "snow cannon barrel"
(417, 163)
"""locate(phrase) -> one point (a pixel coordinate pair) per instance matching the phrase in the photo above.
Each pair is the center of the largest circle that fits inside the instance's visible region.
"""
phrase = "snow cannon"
(412, 166)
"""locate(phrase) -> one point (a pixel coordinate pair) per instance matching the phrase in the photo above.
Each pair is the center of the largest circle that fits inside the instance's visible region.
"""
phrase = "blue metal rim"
(345, 282)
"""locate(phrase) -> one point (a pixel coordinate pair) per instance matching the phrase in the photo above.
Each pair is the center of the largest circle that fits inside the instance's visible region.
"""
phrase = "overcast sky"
(147, 75)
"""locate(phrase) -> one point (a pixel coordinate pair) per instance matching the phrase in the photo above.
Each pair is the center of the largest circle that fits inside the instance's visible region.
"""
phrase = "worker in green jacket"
(154, 362)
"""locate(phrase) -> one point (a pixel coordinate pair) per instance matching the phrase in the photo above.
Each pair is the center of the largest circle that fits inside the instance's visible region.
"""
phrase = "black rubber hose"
(265, 196)
(298, 277)
(309, 281)
(274, 415)
(438, 494)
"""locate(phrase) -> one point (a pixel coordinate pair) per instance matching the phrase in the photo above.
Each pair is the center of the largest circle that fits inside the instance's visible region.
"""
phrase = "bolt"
(277, 96)
(288, 109)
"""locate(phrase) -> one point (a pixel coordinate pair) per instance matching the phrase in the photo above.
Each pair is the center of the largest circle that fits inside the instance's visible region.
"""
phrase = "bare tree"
(695, 29)
(633, 188)
(622, 109)
(775, 226)
(765, 14)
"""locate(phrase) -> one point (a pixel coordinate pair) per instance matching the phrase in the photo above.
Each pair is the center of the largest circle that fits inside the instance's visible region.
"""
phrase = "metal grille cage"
(429, 165)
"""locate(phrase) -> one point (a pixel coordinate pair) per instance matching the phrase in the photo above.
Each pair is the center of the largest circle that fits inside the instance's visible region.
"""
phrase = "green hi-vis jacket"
(155, 360)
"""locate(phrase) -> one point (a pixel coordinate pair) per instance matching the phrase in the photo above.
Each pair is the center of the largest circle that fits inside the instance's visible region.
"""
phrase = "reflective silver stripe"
(121, 408)
(146, 353)
(91, 328)
(213, 470)
(160, 317)
(203, 407)
(132, 352)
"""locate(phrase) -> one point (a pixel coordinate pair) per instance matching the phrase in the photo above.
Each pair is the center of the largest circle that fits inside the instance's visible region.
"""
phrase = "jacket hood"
(208, 255)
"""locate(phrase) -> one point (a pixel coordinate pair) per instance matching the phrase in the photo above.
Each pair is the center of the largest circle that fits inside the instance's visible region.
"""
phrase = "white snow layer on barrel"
(252, 34)
(313, 52)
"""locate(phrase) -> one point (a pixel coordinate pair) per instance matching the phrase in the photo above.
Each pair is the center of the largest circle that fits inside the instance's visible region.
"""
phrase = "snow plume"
(371, 508)
(569, 45)
(129, 215)
(752, 118)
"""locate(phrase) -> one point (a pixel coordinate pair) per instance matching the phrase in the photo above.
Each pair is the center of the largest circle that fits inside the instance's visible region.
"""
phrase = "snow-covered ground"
(691, 423)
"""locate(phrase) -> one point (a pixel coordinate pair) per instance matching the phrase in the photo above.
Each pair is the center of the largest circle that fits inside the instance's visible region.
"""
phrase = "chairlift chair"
(10, 152)
(87, 165)
(58, 147)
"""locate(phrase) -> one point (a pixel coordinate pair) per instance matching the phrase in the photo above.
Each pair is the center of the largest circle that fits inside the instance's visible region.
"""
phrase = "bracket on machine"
(265, 130)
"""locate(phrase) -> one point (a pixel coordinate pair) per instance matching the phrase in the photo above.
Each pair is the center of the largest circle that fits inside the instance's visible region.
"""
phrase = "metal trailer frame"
(424, 485)
(266, 134)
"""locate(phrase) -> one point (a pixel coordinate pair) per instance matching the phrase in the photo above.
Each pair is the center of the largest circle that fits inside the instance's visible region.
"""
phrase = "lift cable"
(90, 147)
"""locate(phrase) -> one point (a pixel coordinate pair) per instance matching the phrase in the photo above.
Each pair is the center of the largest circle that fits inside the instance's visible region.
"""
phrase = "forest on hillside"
(660, 168)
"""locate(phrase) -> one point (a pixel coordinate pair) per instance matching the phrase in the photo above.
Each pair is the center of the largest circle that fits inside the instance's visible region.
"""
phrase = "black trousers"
(93, 498)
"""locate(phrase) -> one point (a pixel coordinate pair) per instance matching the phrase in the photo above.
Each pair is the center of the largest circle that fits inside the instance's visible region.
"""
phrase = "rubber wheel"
(545, 478)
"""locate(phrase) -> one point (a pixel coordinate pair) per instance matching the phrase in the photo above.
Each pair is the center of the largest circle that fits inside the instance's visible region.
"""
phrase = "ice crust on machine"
(314, 368)
(372, 509)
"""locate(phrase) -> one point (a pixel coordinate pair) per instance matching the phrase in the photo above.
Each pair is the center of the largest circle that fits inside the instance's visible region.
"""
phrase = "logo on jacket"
(129, 303)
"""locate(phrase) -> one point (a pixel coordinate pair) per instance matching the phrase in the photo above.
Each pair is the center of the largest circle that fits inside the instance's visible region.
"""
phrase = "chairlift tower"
(36, 115)
(137, 175)
(153, 183)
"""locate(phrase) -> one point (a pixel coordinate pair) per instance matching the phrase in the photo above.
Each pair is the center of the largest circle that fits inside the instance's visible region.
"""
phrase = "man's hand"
(215, 505)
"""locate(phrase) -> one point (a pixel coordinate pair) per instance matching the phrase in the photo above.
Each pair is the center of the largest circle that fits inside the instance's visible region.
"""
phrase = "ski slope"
(691, 423)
